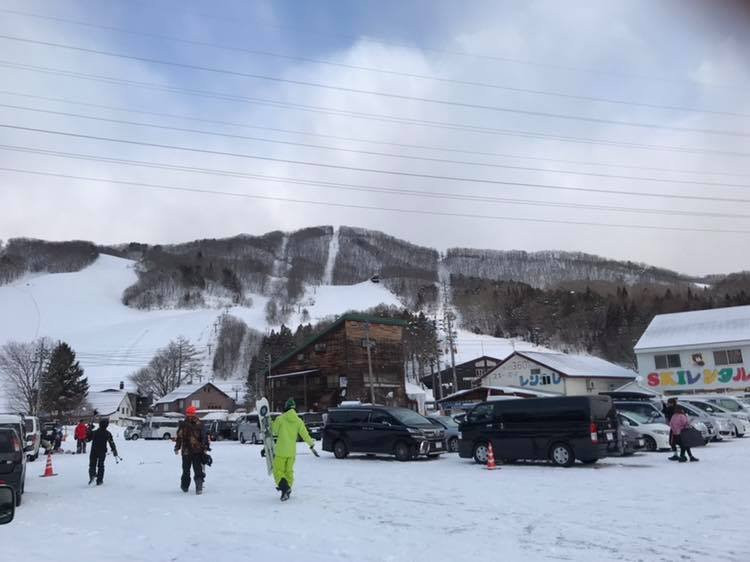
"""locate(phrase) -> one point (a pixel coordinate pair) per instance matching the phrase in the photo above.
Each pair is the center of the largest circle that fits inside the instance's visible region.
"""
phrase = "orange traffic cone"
(490, 458)
(48, 469)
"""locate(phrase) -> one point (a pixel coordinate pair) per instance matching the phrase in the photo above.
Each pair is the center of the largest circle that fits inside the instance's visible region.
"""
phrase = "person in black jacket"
(192, 442)
(99, 440)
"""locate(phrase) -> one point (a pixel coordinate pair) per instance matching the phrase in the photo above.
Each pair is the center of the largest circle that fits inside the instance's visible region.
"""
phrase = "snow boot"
(198, 487)
(285, 489)
(674, 458)
(185, 489)
(99, 483)
(683, 459)
(694, 459)
(92, 480)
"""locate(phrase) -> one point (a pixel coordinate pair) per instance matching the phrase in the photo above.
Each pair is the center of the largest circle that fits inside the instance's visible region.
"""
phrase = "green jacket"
(287, 427)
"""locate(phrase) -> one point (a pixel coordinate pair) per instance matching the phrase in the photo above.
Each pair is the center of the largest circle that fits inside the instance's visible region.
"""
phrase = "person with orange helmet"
(192, 441)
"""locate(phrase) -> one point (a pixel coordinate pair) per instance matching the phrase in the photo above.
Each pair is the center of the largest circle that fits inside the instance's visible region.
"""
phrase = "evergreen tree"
(65, 388)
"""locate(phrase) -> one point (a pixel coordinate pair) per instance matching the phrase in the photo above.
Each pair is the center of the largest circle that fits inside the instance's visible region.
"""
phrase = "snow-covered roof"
(579, 365)
(106, 402)
(183, 391)
(697, 327)
(415, 390)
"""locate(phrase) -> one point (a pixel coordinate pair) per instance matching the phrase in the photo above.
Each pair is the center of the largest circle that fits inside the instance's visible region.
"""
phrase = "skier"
(192, 440)
(99, 440)
(81, 435)
(287, 427)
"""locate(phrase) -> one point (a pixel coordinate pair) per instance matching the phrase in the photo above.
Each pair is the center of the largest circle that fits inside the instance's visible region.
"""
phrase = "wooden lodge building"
(332, 367)
(466, 373)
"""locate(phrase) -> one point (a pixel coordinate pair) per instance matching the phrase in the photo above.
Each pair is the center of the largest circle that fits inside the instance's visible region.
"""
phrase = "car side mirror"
(7, 504)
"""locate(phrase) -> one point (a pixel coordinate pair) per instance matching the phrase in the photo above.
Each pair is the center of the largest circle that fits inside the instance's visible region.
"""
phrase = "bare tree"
(176, 364)
(21, 369)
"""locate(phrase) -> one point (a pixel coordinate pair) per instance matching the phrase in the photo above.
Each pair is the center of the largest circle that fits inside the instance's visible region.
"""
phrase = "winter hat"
(191, 410)
(290, 404)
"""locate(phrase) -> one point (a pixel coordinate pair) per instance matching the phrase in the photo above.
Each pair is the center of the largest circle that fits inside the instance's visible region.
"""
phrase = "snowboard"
(264, 419)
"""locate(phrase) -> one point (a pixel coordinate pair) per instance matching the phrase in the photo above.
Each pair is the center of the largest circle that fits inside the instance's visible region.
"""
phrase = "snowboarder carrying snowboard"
(99, 440)
(287, 427)
(192, 440)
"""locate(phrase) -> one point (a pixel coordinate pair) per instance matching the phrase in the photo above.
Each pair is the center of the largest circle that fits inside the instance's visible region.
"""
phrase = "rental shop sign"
(729, 377)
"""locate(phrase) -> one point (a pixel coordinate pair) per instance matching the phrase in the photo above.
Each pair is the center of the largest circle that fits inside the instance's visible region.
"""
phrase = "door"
(382, 433)
(357, 429)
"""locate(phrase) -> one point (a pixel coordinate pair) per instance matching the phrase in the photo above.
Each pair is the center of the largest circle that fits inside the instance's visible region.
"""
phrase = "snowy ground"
(639, 508)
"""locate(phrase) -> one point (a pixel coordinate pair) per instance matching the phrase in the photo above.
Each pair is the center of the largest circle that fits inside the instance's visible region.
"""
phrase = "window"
(546, 379)
(349, 416)
(536, 371)
(300, 357)
(668, 361)
(196, 403)
(480, 413)
(320, 347)
(381, 417)
(728, 357)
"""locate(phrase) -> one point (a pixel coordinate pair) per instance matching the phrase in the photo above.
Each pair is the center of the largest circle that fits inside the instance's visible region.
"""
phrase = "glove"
(314, 452)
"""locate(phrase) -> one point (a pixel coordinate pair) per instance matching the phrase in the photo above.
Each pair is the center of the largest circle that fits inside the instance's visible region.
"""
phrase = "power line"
(416, 211)
(456, 53)
(442, 79)
(368, 152)
(383, 118)
(390, 95)
(366, 141)
(357, 187)
(434, 195)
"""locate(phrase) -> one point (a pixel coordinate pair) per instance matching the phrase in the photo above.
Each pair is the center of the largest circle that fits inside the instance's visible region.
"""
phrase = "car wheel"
(402, 451)
(134, 437)
(561, 454)
(340, 450)
(242, 438)
(167, 437)
(453, 445)
(481, 453)
(649, 443)
(19, 495)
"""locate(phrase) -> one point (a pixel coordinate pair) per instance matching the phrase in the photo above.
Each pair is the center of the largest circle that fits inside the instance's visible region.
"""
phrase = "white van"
(33, 436)
(160, 427)
(248, 429)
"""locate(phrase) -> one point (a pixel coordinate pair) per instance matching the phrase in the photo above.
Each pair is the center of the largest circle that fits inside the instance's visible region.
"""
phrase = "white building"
(117, 405)
(697, 350)
(561, 373)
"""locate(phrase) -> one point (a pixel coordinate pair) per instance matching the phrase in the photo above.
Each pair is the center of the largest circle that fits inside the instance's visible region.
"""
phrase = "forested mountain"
(24, 255)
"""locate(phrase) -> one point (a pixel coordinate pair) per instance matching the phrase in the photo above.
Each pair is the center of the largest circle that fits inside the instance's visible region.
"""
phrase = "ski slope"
(112, 341)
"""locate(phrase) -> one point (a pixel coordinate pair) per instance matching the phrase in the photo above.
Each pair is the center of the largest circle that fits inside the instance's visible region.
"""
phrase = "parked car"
(557, 429)
(450, 426)
(631, 440)
(7, 504)
(248, 429)
(33, 436)
(713, 424)
(314, 423)
(52, 434)
(646, 409)
(740, 423)
(133, 432)
(729, 403)
(218, 430)
(16, 422)
(160, 427)
(12, 460)
(655, 434)
(381, 430)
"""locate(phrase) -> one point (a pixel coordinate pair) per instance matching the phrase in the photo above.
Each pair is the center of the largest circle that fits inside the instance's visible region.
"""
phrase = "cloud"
(617, 41)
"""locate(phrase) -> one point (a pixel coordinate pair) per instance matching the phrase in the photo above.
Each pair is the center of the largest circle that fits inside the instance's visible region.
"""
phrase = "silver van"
(248, 429)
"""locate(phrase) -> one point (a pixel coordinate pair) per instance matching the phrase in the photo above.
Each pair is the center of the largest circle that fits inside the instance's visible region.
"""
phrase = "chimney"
(122, 385)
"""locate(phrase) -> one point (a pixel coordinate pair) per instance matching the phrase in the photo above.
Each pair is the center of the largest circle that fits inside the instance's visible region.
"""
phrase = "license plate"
(438, 445)
(610, 436)
(641, 443)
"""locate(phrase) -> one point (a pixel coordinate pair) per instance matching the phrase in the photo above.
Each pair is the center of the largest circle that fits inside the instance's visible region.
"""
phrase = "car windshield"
(446, 421)
(645, 411)
(639, 417)
(730, 405)
(710, 408)
(407, 417)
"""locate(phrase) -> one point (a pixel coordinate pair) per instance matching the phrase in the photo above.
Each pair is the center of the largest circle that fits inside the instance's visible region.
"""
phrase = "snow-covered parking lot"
(638, 508)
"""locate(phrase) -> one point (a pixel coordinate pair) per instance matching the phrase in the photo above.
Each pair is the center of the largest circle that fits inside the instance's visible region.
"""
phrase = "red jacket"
(81, 432)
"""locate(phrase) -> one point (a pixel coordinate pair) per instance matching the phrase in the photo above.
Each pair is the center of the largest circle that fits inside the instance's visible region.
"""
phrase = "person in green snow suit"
(286, 428)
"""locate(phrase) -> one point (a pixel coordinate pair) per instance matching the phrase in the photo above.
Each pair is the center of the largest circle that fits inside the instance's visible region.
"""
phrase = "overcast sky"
(682, 68)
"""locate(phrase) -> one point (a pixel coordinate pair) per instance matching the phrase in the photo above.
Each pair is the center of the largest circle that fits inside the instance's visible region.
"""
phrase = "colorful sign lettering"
(706, 377)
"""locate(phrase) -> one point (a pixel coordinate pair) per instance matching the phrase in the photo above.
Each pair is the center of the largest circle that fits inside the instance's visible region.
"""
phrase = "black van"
(381, 430)
(12, 461)
(557, 429)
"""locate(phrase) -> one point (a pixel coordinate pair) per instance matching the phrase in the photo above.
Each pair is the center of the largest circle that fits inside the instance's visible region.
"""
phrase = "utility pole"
(41, 356)
(369, 361)
(270, 382)
(448, 317)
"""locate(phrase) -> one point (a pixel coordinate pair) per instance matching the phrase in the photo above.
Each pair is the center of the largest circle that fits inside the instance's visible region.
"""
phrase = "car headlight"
(661, 432)
(414, 431)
